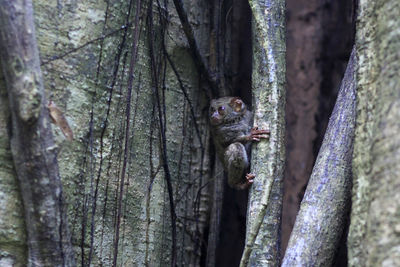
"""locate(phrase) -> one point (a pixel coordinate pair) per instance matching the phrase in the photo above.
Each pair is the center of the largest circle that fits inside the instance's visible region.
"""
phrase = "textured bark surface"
(262, 247)
(319, 39)
(374, 230)
(13, 247)
(113, 174)
(322, 216)
(31, 140)
(303, 84)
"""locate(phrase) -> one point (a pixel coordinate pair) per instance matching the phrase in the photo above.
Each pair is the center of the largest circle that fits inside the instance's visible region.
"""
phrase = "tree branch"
(262, 247)
(321, 219)
(32, 146)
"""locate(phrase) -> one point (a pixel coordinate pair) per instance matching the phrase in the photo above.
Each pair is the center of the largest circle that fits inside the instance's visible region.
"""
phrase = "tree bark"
(374, 230)
(322, 216)
(320, 36)
(262, 247)
(32, 145)
(85, 52)
(13, 238)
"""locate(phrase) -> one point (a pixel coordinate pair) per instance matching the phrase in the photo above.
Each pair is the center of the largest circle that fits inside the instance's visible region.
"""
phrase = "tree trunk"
(136, 177)
(265, 202)
(373, 238)
(13, 245)
(320, 36)
(321, 220)
(139, 179)
(31, 140)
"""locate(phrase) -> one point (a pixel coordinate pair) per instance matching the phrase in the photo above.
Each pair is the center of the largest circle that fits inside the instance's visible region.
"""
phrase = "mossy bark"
(13, 248)
(85, 50)
(374, 230)
(31, 141)
(321, 220)
(262, 247)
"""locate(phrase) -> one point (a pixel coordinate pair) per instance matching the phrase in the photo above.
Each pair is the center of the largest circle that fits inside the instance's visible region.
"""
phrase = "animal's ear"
(237, 104)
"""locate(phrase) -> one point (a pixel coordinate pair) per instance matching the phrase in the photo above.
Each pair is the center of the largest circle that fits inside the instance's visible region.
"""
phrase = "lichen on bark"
(85, 49)
(13, 249)
(86, 54)
(322, 217)
(33, 152)
(262, 245)
(373, 235)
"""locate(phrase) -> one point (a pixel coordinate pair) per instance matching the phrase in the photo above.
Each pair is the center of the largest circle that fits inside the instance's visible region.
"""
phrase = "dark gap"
(233, 227)
(320, 36)
(341, 259)
(203, 248)
(238, 80)
(242, 51)
(337, 41)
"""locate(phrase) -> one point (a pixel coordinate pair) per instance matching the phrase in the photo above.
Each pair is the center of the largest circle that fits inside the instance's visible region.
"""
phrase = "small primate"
(232, 134)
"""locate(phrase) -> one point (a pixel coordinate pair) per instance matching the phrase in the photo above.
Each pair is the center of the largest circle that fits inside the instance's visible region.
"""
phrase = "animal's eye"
(221, 110)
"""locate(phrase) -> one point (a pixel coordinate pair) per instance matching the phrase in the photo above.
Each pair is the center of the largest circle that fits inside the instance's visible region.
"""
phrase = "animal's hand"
(257, 135)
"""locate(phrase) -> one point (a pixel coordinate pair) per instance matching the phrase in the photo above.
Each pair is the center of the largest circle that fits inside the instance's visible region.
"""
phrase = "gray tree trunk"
(31, 140)
(140, 133)
(321, 220)
(13, 246)
(374, 230)
(262, 247)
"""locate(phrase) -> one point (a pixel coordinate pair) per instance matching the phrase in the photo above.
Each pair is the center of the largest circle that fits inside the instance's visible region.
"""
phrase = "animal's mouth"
(214, 120)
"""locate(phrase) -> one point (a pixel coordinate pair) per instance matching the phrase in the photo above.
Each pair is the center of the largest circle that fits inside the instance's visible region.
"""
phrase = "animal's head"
(226, 110)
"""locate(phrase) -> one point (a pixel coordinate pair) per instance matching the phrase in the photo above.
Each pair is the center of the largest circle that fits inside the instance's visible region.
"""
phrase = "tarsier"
(232, 134)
